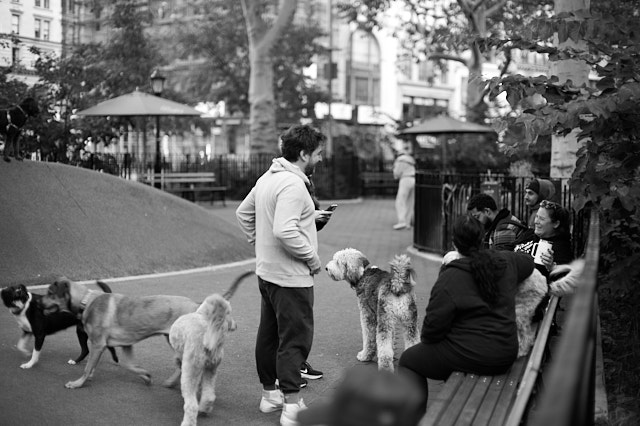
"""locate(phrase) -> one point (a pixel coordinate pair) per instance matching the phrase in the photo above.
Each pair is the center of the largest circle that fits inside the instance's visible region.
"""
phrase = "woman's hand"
(547, 260)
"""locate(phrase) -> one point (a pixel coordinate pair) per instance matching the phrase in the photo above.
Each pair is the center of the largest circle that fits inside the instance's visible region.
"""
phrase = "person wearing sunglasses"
(551, 224)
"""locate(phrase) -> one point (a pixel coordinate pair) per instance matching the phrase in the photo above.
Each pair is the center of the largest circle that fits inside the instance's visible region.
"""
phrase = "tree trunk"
(564, 148)
(262, 36)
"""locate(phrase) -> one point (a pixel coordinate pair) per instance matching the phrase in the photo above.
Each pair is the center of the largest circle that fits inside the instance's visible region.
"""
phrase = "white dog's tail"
(232, 289)
(401, 274)
(568, 283)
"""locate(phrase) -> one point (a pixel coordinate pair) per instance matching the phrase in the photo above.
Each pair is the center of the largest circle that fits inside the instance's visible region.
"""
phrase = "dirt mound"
(62, 220)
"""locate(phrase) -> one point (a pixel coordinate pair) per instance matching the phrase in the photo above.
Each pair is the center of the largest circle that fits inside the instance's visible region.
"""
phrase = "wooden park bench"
(470, 399)
(568, 395)
(188, 185)
(378, 183)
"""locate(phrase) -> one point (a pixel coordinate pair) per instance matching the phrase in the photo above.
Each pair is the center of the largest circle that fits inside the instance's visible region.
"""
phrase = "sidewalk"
(116, 396)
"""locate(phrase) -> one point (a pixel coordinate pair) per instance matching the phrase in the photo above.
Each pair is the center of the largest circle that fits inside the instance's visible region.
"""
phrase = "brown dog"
(112, 319)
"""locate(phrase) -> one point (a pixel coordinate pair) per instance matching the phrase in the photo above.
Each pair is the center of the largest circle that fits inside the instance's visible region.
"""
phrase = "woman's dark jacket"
(458, 318)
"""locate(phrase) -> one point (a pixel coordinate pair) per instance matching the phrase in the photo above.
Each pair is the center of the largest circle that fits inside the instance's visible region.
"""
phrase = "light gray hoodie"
(278, 217)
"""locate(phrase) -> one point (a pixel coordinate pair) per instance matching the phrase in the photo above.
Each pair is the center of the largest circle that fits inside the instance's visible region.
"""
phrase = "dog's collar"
(88, 297)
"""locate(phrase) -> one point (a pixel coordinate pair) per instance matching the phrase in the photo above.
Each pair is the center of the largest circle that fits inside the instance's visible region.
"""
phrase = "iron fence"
(442, 197)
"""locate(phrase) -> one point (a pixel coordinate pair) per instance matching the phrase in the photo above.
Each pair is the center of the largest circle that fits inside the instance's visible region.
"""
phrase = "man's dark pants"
(285, 334)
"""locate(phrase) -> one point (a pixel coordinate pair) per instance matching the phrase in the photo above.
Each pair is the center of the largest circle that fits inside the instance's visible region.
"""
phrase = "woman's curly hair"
(486, 267)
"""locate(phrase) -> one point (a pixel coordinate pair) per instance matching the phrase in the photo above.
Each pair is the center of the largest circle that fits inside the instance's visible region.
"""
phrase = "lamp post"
(157, 86)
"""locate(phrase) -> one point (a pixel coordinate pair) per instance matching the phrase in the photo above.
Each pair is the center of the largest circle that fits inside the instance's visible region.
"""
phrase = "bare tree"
(266, 21)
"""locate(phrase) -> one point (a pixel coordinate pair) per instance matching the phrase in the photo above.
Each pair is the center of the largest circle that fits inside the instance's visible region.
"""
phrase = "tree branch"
(448, 57)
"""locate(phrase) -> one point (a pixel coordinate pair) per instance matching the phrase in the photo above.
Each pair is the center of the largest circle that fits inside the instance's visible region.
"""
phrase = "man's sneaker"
(289, 416)
(309, 373)
(271, 401)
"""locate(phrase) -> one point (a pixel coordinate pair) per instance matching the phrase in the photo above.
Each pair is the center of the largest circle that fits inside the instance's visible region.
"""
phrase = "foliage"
(608, 166)
(219, 42)
(449, 31)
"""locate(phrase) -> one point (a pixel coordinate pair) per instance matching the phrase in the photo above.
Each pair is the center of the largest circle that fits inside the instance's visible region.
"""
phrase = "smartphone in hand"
(332, 207)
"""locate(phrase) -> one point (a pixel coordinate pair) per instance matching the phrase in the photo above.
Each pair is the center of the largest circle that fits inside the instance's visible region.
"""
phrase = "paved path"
(116, 396)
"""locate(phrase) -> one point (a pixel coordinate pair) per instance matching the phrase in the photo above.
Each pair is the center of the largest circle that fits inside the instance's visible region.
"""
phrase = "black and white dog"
(11, 122)
(28, 312)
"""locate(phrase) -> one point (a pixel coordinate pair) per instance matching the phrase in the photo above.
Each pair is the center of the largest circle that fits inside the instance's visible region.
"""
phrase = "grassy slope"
(61, 220)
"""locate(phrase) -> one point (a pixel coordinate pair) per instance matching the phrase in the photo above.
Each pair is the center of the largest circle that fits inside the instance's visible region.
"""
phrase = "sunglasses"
(550, 205)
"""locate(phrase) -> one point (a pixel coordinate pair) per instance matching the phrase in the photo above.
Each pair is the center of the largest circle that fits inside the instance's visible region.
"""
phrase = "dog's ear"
(355, 267)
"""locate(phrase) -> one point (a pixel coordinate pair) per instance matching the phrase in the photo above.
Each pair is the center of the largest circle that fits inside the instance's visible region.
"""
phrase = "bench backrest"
(568, 398)
(180, 178)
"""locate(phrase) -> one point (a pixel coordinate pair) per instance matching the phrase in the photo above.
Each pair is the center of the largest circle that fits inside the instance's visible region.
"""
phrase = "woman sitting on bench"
(470, 324)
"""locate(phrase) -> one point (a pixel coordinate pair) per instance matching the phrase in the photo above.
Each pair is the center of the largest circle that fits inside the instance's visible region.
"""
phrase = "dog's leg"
(22, 343)
(208, 393)
(127, 362)
(411, 335)
(84, 348)
(524, 316)
(368, 326)
(189, 384)
(94, 357)
(35, 355)
(175, 377)
(384, 339)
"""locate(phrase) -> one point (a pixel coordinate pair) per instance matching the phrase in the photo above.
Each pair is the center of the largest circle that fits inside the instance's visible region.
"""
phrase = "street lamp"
(157, 86)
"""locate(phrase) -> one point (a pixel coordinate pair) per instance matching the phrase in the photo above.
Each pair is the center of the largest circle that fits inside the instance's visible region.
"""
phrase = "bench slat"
(490, 400)
(450, 416)
(508, 392)
(442, 398)
(470, 408)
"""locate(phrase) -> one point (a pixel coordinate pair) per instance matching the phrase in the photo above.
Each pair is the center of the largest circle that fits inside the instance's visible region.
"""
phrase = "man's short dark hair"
(300, 138)
(482, 201)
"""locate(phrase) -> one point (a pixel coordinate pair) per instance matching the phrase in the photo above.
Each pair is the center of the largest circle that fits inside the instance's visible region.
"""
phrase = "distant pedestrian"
(278, 217)
(502, 228)
(404, 169)
(536, 191)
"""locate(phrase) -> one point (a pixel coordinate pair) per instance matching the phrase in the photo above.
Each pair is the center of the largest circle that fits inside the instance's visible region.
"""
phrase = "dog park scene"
(315, 212)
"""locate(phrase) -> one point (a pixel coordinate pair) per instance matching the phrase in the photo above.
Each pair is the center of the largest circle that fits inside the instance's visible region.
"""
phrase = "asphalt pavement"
(115, 396)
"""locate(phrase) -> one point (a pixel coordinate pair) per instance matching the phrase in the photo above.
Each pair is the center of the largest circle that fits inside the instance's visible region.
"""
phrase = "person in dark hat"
(535, 191)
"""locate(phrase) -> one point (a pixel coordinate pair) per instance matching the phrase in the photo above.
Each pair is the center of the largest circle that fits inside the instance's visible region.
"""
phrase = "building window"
(46, 27)
(38, 3)
(15, 24)
(37, 28)
(42, 3)
(15, 56)
(364, 78)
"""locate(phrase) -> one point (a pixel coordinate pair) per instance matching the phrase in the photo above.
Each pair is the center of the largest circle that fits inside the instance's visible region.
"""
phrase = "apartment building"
(33, 23)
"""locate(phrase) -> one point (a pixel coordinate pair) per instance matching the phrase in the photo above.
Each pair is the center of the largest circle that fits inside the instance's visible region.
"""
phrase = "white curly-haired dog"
(198, 340)
(385, 299)
(532, 291)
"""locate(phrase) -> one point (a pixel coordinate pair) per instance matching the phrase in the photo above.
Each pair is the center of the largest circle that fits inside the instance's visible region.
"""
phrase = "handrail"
(568, 396)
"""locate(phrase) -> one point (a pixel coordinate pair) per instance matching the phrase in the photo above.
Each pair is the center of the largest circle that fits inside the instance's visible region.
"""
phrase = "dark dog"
(28, 312)
(11, 121)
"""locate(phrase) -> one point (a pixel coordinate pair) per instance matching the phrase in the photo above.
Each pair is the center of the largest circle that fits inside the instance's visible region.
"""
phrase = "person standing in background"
(404, 169)
(535, 191)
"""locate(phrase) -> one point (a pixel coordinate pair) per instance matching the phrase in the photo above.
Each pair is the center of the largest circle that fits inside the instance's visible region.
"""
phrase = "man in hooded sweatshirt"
(278, 217)
(536, 191)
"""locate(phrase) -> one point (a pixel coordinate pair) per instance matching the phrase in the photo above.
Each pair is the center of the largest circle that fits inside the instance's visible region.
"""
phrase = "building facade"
(371, 80)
